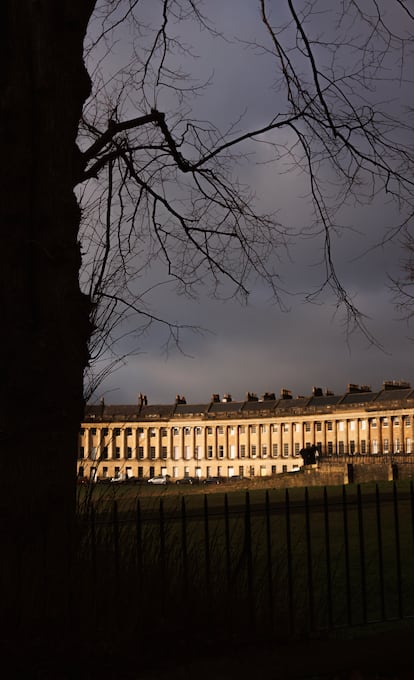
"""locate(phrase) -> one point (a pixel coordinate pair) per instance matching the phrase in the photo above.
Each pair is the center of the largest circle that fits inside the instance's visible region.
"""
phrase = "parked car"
(158, 479)
(186, 480)
(213, 480)
(238, 478)
(295, 468)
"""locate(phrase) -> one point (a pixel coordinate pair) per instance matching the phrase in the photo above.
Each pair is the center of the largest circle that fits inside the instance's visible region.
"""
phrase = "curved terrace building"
(255, 437)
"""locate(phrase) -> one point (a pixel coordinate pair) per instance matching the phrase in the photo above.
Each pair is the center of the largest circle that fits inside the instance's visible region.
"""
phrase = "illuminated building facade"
(255, 437)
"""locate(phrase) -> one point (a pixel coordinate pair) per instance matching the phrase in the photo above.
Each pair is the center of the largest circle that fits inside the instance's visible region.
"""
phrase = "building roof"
(395, 395)
(392, 395)
(360, 398)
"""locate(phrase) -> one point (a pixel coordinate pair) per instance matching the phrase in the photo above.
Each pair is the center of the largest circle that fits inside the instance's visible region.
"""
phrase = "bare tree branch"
(161, 185)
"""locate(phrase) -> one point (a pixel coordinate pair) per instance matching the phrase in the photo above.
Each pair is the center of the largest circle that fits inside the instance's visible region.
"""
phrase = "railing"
(276, 563)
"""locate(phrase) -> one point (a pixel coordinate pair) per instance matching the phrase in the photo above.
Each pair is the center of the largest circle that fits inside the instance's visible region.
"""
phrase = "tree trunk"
(45, 323)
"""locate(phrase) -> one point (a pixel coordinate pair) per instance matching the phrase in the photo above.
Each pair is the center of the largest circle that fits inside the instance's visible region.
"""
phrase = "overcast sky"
(259, 347)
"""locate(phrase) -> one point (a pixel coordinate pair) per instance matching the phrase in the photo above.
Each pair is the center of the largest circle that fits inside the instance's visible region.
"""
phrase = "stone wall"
(335, 473)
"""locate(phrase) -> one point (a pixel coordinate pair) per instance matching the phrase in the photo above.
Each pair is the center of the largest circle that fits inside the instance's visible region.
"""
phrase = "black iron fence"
(289, 562)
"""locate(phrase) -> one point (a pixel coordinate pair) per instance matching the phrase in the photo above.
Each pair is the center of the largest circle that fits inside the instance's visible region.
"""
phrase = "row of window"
(187, 452)
(104, 472)
(384, 422)
(275, 450)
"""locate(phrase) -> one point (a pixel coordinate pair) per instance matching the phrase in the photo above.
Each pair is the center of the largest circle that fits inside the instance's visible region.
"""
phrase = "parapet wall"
(334, 473)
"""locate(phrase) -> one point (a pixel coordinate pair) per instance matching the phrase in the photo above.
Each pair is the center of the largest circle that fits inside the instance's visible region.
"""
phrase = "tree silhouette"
(152, 181)
(163, 184)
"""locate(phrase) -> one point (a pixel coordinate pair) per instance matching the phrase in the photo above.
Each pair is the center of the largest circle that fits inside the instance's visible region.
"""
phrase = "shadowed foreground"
(383, 656)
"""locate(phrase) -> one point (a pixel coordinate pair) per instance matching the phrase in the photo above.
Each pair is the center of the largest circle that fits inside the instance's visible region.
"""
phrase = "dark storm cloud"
(259, 347)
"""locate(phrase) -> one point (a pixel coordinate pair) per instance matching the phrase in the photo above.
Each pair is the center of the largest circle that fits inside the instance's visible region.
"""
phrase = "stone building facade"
(256, 437)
